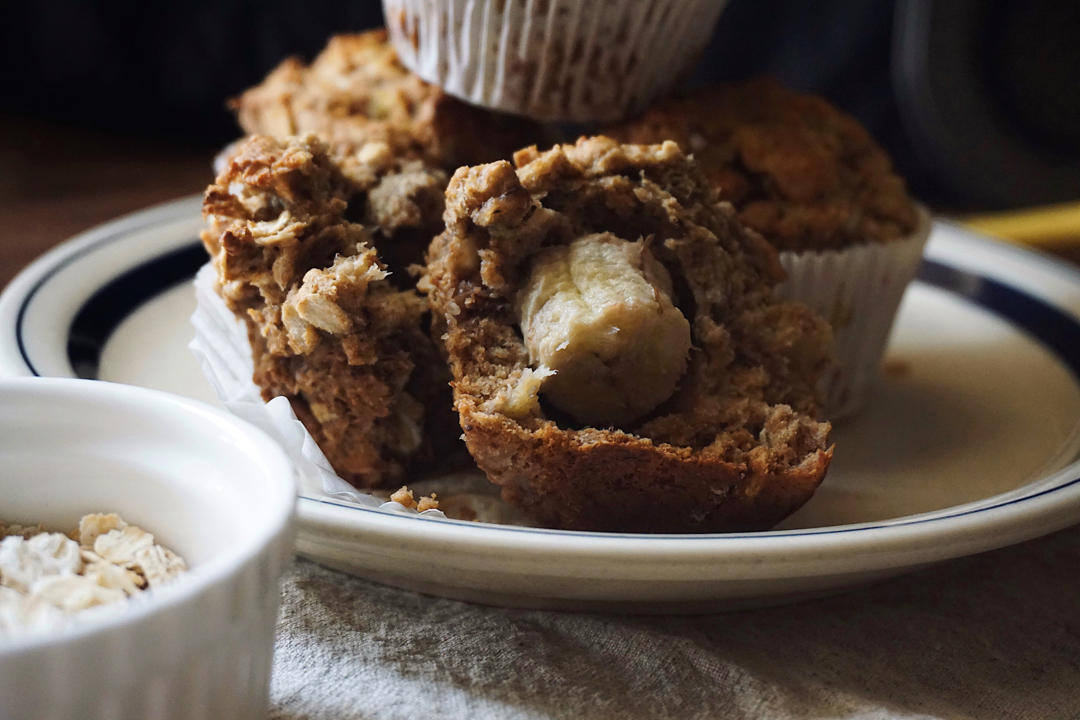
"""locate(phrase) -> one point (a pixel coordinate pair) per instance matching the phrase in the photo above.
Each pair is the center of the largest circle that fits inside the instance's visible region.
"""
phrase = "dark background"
(976, 101)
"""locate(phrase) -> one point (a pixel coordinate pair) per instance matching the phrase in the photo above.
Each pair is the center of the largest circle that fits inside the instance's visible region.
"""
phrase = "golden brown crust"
(613, 481)
(735, 448)
(328, 327)
(802, 173)
(356, 91)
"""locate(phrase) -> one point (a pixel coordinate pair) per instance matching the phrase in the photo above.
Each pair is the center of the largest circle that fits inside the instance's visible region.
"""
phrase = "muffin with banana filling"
(313, 251)
(619, 360)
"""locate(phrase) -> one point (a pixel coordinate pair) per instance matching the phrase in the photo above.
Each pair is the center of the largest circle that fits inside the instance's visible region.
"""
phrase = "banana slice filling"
(598, 315)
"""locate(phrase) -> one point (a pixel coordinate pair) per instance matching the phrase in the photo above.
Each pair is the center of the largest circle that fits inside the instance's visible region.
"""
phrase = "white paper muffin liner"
(858, 290)
(555, 60)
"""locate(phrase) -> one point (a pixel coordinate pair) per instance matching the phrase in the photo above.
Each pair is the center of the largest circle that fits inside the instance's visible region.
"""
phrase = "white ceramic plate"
(969, 442)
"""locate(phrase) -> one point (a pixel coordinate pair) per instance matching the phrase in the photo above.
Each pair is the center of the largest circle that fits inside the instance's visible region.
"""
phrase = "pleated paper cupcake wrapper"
(221, 347)
(858, 290)
(553, 60)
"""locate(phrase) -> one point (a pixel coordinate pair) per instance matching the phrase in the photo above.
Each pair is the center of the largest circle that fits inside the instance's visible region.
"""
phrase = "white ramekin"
(858, 290)
(207, 485)
(571, 60)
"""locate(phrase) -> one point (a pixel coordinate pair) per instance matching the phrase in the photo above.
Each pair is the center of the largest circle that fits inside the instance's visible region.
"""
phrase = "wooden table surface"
(57, 181)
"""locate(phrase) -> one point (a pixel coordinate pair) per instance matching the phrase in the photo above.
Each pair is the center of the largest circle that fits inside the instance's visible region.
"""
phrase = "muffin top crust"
(357, 91)
(799, 171)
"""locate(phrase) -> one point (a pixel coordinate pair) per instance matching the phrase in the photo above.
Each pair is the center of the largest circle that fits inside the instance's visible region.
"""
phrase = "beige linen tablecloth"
(992, 636)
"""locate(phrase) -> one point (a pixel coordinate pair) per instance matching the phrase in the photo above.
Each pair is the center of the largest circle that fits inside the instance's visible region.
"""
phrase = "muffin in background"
(554, 60)
(814, 183)
(357, 91)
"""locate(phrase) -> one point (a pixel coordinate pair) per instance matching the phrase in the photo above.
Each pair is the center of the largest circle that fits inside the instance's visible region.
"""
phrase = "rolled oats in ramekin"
(163, 605)
(48, 578)
(567, 60)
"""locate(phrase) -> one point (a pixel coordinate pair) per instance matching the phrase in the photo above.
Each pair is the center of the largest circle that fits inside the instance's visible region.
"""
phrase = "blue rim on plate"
(107, 307)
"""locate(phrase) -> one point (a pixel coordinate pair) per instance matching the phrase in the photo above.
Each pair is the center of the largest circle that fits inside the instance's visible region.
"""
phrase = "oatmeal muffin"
(313, 251)
(619, 361)
(814, 183)
(356, 91)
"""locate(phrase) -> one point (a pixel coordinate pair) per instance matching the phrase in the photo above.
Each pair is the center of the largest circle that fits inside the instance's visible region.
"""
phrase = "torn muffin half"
(313, 251)
(619, 361)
